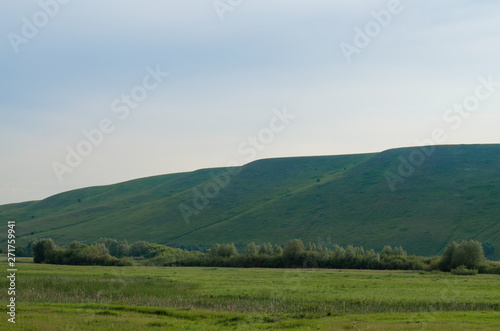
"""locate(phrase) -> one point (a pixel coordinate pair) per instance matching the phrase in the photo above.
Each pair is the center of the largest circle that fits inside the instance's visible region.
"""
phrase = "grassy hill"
(453, 195)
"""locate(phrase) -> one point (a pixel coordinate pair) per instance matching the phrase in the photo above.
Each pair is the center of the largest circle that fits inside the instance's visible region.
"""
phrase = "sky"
(100, 92)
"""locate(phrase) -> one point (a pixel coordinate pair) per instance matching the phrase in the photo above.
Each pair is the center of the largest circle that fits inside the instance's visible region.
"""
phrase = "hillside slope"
(453, 195)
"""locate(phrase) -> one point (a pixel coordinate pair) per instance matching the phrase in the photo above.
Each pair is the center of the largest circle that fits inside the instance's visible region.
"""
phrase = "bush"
(434, 264)
(489, 267)
(463, 271)
(468, 253)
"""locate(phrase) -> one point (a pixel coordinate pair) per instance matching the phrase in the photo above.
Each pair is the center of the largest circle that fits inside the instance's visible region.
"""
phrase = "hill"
(450, 194)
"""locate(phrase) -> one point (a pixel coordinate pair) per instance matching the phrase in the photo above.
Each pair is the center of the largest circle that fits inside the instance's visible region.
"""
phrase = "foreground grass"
(133, 298)
(104, 317)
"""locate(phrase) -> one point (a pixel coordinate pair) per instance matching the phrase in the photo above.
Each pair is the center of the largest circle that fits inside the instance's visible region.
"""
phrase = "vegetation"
(280, 199)
(467, 254)
(295, 254)
(463, 271)
(489, 249)
(45, 251)
(55, 297)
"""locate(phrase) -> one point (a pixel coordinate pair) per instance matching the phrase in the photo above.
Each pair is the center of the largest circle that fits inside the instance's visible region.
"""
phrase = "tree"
(489, 249)
(269, 249)
(445, 264)
(43, 250)
(468, 253)
(122, 248)
(251, 249)
(139, 248)
(320, 248)
(225, 250)
(350, 253)
(266, 249)
(360, 252)
(116, 248)
(215, 250)
(349, 257)
(399, 251)
(278, 250)
(293, 249)
(386, 252)
(24, 251)
(338, 253)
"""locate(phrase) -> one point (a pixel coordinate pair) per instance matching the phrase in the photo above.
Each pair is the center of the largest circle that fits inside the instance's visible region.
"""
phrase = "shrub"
(463, 271)
(434, 264)
(489, 267)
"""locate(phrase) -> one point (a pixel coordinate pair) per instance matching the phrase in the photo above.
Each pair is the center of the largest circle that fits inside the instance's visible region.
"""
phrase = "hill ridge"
(453, 195)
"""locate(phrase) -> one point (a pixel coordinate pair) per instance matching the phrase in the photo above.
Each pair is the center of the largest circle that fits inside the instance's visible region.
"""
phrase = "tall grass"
(270, 291)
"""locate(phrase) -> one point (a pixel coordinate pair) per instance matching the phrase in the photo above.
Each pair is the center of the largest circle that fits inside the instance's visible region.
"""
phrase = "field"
(53, 297)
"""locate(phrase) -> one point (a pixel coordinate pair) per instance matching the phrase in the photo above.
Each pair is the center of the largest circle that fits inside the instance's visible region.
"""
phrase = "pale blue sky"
(226, 77)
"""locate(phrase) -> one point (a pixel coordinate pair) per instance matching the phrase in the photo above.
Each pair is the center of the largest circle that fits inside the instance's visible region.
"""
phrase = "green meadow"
(51, 297)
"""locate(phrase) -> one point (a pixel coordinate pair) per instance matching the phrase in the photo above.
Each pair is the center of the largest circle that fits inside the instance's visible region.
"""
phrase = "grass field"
(136, 298)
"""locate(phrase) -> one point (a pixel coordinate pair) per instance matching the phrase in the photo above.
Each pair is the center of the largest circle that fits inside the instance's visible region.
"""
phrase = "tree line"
(466, 257)
(106, 252)
(46, 251)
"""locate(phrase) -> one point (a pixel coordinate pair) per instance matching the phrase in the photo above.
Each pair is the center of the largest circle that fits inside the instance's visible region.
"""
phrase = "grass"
(95, 317)
(453, 195)
(136, 298)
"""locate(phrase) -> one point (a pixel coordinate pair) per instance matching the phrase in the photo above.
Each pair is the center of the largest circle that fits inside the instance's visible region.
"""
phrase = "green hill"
(453, 195)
